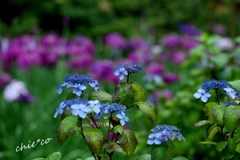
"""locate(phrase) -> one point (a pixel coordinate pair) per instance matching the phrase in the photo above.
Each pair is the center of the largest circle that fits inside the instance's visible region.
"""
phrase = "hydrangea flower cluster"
(164, 133)
(214, 84)
(125, 70)
(80, 107)
(114, 107)
(78, 83)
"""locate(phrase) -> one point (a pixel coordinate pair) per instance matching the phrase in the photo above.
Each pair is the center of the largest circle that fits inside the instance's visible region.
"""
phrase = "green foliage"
(123, 94)
(128, 142)
(101, 96)
(66, 128)
(162, 152)
(140, 95)
(94, 139)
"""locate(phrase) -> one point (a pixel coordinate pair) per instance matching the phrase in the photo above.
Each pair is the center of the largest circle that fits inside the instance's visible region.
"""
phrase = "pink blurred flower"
(154, 68)
(115, 40)
(171, 40)
(170, 77)
(4, 78)
(178, 57)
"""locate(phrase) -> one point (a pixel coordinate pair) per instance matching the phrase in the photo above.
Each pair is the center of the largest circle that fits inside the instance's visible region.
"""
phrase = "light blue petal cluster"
(79, 107)
(164, 133)
(125, 70)
(78, 82)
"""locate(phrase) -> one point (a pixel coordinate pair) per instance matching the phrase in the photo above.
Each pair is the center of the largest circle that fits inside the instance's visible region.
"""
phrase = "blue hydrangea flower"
(125, 70)
(79, 107)
(164, 133)
(95, 106)
(80, 110)
(214, 84)
(110, 108)
(78, 83)
(230, 92)
(202, 93)
(121, 72)
(122, 117)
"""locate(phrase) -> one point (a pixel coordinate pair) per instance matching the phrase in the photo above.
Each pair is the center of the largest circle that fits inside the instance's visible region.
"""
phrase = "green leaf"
(90, 158)
(219, 60)
(71, 96)
(179, 158)
(235, 84)
(217, 114)
(208, 110)
(94, 139)
(208, 142)
(118, 129)
(113, 146)
(238, 148)
(162, 152)
(231, 146)
(201, 123)
(128, 142)
(123, 94)
(101, 96)
(66, 113)
(230, 118)
(54, 156)
(140, 95)
(38, 159)
(144, 157)
(148, 109)
(221, 145)
(211, 131)
(66, 128)
(104, 157)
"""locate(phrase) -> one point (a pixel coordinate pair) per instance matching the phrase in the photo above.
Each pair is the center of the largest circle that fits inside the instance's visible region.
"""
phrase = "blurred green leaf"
(144, 157)
(94, 139)
(66, 128)
(54, 156)
(71, 96)
(123, 94)
(235, 84)
(231, 119)
(179, 158)
(201, 123)
(140, 95)
(148, 109)
(162, 152)
(128, 142)
(221, 145)
(211, 131)
(101, 96)
(208, 110)
(217, 114)
(113, 146)
(208, 142)
(238, 148)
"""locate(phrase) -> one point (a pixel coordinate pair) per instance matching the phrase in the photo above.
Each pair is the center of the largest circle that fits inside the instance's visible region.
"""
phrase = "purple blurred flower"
(115, 40)
(189, 42)
(16, 91)
(218, 29)
(102, 70)
(224, 44)
(170, 77)
(154, 68)
(171, 40)
(178, 57)
(189, 30)
(80, 62)
(4, 78)
(50, 39)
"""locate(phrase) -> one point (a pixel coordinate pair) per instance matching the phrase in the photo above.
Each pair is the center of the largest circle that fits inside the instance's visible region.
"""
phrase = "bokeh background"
(179, 44)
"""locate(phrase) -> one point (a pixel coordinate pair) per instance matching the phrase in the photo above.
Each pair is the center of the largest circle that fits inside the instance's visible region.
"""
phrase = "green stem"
(110, 118)
(81, 132)
(128, 77)
(217, 96)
